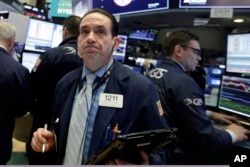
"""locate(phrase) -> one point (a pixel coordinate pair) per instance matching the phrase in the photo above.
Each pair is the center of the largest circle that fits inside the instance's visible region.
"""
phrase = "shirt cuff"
(208, 113)
(232, 134)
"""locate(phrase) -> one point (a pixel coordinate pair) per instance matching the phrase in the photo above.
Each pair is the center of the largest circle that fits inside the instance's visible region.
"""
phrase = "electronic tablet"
(127, 146)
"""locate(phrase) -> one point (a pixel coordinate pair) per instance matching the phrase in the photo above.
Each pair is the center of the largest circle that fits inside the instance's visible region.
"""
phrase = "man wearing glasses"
(183, 104)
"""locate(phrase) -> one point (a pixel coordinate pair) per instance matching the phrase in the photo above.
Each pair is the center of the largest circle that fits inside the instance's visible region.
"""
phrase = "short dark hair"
(72, 24)
(114, 26)
(177, 38)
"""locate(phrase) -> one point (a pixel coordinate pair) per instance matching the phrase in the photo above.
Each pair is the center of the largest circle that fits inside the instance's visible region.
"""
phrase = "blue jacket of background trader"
(183, 104)
(15, 100)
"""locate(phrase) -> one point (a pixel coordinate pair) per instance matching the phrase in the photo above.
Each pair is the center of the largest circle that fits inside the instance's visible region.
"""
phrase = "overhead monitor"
(79, 7)
(214, 4)
(235, 95)
(29, 59)
(238, 53)
(34, 12)
(130, 6)
(144, 34)
(60, 8)
(120, 53)
(213, 82)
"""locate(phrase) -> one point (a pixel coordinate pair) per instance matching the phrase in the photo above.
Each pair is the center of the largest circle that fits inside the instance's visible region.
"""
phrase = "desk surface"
(244, 144)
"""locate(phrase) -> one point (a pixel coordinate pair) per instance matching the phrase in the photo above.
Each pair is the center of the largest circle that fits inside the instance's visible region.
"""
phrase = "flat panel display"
(57, 35)
(120, 53)
(213, 82)
(79, 7)
(61, 8)
(130, 6)
(43, 35)
(29, 59)
(34, 12)
(147, 34)
(238, 53)
(214, 3)
(39, 35)
(235, 95)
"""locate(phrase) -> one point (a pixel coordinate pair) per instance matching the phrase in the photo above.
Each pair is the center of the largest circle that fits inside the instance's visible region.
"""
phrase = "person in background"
(48, 70)
(132, 113)
(198, 142)
(15, 90)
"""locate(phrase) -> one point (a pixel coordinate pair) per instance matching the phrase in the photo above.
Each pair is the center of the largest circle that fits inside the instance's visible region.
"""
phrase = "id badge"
(111, 100)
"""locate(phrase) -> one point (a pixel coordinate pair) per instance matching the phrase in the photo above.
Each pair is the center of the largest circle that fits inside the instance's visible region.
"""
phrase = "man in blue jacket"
(48, 70)
(122, 99)
(15, 90)
(183, 105)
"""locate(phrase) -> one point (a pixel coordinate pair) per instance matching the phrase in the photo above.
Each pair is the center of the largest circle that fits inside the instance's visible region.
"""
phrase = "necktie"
(77, 128)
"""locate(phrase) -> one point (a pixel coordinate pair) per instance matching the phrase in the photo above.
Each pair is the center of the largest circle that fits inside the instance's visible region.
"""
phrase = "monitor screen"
(147, 34)
(130, 6)
(57, 35)
(145, 61)
(213, 82)
(29, 59)
(238, 53)
(39, 35)
(235, 95)
(34, 12)
(120, 53)
(79, 7)
(136, 68)
(214, 4)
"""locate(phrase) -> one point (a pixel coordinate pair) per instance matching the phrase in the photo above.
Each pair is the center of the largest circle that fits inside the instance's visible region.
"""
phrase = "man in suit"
(15, 92)
(48, 70)
(183, 104)
(121, 98)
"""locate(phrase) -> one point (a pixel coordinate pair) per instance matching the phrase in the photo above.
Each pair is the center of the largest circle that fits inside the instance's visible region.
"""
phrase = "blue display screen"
(130, 6)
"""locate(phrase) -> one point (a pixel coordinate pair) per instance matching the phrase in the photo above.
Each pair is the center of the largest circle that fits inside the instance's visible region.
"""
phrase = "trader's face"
(95, 42)
(191, 55)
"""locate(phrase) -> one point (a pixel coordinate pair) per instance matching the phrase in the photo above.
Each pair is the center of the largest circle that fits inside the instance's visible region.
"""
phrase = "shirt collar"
(1, 46)
(182, 67)
(99, 72)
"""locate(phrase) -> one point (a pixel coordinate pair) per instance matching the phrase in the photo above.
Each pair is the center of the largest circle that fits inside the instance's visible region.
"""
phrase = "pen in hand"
(45, 129)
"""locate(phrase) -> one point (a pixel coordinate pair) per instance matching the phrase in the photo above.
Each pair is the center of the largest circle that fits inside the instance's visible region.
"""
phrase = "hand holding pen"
(43, 140)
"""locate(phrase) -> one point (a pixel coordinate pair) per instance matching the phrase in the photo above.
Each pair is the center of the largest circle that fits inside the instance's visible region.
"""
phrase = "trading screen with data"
(235, 95)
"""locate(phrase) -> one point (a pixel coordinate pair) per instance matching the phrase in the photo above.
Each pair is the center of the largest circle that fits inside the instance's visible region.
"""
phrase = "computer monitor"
(120, 53)
(213, 82)
(34, 12)
(238, 53)
(235, 95)
(39, 35)
(57, 35)
(119, 7)
(29, 59)
(214, 4)
(144, 34)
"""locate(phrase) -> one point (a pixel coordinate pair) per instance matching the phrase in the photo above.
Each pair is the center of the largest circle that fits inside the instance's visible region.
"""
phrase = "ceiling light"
(239, 20)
